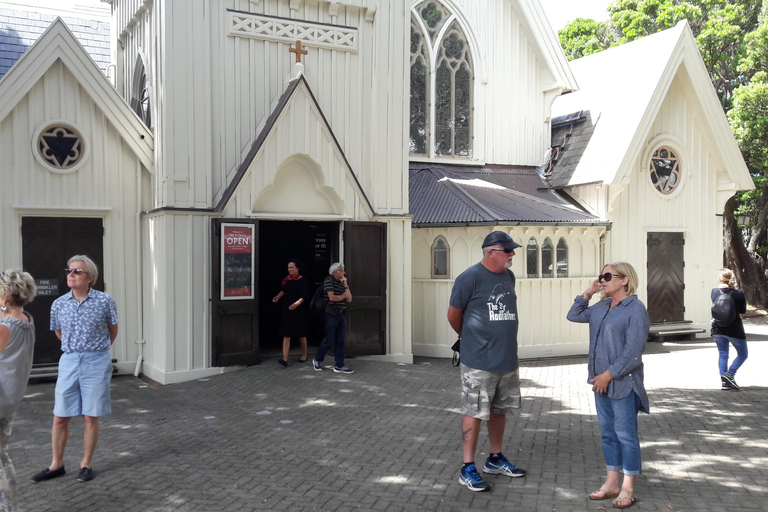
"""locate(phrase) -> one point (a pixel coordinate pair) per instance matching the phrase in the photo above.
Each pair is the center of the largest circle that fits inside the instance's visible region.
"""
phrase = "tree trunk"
(748, 266)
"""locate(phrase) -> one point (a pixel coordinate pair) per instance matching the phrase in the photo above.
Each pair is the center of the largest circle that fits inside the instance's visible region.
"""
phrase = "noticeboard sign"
(237, 261)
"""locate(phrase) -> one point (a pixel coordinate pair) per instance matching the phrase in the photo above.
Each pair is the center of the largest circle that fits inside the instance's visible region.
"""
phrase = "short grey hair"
(90, 266)
(335, 268)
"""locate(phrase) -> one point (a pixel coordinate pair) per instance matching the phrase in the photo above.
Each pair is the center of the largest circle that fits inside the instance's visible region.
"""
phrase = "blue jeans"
(618, 427)
(335, 331)
(722, 347)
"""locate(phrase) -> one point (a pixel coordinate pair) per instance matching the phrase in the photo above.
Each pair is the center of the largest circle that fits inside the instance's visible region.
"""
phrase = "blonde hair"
(625, 269)
(725, 275)
(18, 287)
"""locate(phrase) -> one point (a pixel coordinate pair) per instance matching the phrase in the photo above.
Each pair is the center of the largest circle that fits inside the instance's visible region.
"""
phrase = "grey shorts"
(485, 392)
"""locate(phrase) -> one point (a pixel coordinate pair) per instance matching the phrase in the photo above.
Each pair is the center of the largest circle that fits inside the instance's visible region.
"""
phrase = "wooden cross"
(299, 51)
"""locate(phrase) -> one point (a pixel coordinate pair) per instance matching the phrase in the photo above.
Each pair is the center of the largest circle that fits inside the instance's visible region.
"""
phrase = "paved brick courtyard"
(387, 439)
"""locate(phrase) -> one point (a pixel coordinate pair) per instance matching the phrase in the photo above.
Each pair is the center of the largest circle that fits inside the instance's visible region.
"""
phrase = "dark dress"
(294, 323)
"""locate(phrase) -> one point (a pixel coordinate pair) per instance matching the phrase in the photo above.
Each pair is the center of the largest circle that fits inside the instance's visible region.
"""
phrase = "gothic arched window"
(547, 263)
(562, 258)
(441, 84)
(532, 258)
(140, 102)
(440, 258)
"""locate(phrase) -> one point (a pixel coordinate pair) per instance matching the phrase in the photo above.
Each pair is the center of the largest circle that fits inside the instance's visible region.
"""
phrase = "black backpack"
(723, 309)
(319, 301)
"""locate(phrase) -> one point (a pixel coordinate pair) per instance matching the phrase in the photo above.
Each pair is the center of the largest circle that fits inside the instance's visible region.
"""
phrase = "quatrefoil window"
(60, 147)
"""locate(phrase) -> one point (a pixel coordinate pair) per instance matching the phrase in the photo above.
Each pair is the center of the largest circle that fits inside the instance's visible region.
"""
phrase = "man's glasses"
(606, 277)
(76, 271)
(505, 251)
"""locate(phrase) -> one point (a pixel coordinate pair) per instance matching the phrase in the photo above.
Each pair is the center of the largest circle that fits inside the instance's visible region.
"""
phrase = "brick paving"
(387, 439)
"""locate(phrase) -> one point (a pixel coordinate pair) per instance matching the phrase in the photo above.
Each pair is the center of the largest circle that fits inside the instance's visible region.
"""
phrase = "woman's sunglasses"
(76, 271)
(606, 277)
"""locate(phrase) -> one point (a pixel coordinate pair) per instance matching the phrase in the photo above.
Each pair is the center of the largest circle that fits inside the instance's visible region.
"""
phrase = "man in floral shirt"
(85, 320)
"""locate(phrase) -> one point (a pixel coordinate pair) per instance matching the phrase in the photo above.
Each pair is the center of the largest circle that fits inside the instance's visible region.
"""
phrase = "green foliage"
(585, 36)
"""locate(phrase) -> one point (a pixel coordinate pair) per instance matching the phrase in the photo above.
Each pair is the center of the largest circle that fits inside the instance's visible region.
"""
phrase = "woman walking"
(728, 333)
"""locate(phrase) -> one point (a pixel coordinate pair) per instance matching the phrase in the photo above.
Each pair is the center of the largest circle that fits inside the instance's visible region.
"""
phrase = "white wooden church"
(391, 135)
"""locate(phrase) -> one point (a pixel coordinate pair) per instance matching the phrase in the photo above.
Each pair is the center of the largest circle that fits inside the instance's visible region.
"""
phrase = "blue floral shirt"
(83, 325)
(617, 339)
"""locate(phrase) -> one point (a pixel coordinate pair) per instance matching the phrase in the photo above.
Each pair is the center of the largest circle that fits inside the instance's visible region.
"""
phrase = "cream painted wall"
(542, 302)
(636, 208)
(112, 185)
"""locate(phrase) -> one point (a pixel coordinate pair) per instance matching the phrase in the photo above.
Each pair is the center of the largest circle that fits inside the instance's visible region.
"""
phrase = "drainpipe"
(140, 296)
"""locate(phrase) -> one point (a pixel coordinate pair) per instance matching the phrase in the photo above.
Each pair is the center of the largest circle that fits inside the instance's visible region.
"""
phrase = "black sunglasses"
(606, 277)
(76, 271)
(505, 251)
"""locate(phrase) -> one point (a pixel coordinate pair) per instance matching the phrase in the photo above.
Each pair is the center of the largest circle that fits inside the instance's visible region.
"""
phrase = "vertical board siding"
(108, 186)
(542, 302)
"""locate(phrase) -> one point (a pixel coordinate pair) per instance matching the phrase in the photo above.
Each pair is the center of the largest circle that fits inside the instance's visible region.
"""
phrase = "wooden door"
(235, 304)
(47, 244)
(666, 277)
(365, 262)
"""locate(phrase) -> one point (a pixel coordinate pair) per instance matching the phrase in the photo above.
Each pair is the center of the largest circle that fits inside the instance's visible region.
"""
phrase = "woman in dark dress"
(294, 321)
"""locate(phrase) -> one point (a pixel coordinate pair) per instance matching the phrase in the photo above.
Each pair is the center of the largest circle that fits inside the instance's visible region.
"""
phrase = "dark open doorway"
(316, 245)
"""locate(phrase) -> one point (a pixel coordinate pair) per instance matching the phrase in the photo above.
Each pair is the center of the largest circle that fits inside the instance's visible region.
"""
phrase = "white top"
(16, 362)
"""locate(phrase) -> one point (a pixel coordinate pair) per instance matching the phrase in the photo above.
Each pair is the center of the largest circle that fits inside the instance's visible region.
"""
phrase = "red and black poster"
(237, 258)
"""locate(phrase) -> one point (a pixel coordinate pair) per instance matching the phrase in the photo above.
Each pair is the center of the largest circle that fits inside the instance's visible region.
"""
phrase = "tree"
(732, 37)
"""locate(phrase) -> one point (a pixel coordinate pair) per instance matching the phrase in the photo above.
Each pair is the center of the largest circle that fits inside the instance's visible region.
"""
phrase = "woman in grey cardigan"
(17, 343)
(618, 331)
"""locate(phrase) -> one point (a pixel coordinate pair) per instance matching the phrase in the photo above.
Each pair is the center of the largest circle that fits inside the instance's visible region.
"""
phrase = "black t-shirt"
(331, 284)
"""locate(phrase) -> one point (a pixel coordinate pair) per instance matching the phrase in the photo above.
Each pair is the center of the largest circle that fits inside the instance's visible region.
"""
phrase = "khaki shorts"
(485, 392)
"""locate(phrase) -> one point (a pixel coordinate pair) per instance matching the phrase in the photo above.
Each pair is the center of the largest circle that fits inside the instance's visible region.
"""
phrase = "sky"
(561, 12)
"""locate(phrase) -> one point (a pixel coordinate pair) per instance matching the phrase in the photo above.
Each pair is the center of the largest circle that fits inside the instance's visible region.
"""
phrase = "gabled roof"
(59, 44)
(269, 126)
(20, 28)
(444, 195)
(548, 44)
(623, 88)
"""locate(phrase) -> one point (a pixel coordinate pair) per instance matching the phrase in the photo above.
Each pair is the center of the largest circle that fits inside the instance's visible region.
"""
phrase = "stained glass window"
(440, 126)
(665, 170)
(419, 91)
(547, 269)
(532, 258)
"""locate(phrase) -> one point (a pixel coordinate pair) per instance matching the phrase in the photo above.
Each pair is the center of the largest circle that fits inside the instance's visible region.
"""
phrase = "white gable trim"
(549, 45)
(58, 43)
(276, 118)
(686, 52)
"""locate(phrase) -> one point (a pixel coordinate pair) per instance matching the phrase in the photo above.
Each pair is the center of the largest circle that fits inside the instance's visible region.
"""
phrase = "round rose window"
(665, 170)
(60, 147)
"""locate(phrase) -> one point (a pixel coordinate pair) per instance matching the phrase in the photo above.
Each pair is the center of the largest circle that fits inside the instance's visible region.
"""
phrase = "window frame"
(433, 39)
(528, 258)
(433, 250)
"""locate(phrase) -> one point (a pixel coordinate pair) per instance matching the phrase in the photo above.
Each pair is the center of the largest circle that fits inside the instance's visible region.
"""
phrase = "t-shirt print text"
(497, 308)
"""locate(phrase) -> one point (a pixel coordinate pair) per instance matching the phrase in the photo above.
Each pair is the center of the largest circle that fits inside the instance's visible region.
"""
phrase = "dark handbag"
(456, 347)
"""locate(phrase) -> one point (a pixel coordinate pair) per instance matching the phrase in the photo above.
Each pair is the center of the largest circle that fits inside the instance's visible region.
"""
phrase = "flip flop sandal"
(607, 494)
(623, 495)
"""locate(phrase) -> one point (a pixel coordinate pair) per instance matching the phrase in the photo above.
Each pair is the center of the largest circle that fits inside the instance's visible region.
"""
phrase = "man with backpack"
(337, 291)
(727, 329)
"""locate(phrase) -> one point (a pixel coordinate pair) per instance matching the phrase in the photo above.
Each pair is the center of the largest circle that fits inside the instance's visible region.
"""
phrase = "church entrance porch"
(316, 245)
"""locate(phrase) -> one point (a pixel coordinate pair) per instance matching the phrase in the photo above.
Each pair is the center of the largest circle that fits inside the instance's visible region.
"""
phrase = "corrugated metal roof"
(443, 194)
(20, 29)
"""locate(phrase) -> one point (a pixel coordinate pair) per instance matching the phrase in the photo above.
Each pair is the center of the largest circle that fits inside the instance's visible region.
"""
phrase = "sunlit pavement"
(387, 439)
